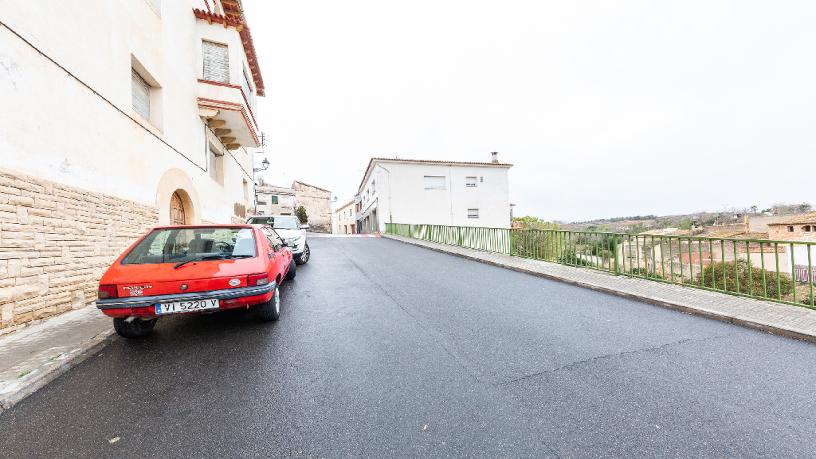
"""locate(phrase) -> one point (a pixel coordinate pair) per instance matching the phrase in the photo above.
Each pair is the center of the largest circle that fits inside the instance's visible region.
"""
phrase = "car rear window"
(177, 244)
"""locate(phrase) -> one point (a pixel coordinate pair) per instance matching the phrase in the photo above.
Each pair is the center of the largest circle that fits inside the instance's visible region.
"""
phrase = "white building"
(434, 192)
(118, 116)
(274, 200)
(344, 219)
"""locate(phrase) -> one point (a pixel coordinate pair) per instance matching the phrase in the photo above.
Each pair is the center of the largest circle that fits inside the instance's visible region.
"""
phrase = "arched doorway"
(178, 216)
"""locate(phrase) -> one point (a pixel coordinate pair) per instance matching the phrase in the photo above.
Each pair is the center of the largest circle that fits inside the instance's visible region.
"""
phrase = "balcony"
(228, 113)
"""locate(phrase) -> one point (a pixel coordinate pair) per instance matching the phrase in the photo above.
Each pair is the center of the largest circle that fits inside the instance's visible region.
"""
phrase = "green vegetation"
(534, 223)
(726, 276)
(571, 258)
(301, 215)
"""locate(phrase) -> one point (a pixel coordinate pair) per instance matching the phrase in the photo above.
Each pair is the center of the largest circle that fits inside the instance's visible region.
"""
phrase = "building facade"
(143, 117)
(317, 202)
(434, 192)
(274, 200)
(345, 219)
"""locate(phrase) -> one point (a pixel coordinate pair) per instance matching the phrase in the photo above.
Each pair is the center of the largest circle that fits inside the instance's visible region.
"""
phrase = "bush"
(300, 212)
(535, 244)
(715, 274)
(570, 258)
(807, 300)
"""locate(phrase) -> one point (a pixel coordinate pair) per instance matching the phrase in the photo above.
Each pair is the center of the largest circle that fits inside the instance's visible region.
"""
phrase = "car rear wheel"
(292, 270)
(270, 310)
(135, 328)
(303, 258)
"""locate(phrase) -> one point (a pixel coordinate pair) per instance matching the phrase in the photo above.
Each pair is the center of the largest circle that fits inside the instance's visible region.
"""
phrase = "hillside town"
(175, 282)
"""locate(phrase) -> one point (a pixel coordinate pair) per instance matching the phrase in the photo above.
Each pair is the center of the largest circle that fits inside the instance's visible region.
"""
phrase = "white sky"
(606, 108)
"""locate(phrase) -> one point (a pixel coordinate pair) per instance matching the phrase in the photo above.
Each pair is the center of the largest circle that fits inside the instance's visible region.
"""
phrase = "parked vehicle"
(195, 269)
(290, 230)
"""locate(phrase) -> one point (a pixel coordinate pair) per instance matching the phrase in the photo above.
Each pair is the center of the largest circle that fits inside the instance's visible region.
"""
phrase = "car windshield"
(285, 222)
(172, 245)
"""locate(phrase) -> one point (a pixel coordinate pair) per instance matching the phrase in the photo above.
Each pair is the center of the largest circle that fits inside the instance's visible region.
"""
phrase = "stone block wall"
(55, 243)
(317, 203)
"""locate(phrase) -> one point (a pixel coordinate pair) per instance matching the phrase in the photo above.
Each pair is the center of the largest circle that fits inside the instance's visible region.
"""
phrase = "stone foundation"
(55, 243)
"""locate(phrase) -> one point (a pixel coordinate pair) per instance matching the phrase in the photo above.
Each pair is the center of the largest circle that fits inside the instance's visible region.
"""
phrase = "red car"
(195, 269)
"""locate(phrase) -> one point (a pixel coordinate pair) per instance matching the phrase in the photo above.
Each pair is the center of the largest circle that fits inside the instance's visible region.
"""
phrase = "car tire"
(136, 328)
(292, 270)
(303, 258)
(270, 310)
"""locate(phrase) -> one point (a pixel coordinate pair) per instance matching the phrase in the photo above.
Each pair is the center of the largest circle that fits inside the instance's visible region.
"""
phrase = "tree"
(534, 223)
(301, 215)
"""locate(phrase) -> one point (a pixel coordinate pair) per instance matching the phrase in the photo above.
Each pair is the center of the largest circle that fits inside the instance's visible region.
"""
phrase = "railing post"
(615, 239)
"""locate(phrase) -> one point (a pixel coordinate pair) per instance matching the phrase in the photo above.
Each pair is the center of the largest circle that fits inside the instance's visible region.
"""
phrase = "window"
(273, 199)
(207, 243)
(216, 166)
(247, 87)
(790, 229)
(216, 62)
(807, 228)
(473, 213)
(141, 95)
(470, 182)
(434, 182)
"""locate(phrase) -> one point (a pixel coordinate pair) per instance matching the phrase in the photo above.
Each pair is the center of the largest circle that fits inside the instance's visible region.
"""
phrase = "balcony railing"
(780, 271)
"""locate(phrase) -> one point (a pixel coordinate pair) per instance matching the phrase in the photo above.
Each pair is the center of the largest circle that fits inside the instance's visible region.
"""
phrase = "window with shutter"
(434, 182)
(141, 95)
(216, 62)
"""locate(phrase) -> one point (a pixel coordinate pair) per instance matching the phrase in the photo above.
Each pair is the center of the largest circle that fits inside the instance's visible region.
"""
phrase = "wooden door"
(177, 216)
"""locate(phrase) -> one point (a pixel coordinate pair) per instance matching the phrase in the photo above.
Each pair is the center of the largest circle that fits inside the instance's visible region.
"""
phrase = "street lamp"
(264, 163)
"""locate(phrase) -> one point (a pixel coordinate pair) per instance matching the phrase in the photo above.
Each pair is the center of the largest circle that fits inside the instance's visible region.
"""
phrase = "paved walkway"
(791, 321)
(33, 356)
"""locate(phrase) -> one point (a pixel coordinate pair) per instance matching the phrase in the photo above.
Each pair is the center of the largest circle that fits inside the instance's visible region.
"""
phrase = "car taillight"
(107, 291)
(258, 279)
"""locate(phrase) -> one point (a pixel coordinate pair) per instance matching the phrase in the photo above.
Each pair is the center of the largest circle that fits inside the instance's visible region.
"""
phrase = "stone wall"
(55, 243)
(317, 202)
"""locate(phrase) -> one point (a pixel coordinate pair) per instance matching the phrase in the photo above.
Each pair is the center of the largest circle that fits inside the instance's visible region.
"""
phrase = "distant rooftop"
(807, 218)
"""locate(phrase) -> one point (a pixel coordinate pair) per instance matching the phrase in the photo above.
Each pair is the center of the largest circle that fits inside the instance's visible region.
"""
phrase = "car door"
(278, 260)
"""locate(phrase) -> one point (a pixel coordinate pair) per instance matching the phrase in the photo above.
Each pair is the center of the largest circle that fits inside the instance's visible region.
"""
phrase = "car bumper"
(145, 306)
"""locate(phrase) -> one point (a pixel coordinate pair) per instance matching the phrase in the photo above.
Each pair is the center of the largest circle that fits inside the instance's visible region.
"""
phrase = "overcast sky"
(606, 108)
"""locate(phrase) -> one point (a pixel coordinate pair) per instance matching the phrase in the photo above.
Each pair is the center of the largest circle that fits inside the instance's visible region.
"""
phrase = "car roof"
(217, 225)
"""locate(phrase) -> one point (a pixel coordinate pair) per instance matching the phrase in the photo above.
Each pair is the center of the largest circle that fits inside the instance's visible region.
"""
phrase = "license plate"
(185, 306)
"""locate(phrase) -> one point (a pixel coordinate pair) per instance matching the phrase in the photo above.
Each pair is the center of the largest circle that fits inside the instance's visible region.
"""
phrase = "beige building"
(274, 200)
(142, 118)
(345, 219)
(800, 227)
(317, 202)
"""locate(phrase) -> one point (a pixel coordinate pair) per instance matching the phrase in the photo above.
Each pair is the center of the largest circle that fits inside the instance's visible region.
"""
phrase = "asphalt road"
(385, 349)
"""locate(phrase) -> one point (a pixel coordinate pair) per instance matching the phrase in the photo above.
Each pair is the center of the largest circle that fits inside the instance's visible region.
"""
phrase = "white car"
(290, 230)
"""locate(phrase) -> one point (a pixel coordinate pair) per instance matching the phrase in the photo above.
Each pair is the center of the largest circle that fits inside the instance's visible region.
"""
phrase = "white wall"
(400, 196)
(60, 130)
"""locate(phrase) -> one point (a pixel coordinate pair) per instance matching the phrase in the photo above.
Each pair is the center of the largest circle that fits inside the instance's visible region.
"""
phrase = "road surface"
(386, 349)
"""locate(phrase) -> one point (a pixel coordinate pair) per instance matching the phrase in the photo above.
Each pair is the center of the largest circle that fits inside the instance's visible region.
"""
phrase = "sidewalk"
(779, 319)
(35, 355)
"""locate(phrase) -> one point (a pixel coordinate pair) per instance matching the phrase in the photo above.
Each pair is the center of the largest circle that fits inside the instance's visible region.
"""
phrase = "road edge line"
(768, 328)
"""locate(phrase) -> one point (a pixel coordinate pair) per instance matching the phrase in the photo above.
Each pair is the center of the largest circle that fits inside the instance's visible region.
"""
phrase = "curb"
(768, 328)
(52, 372)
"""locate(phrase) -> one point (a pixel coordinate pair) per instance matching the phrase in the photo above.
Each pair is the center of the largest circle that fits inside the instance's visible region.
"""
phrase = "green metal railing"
(781, 271)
